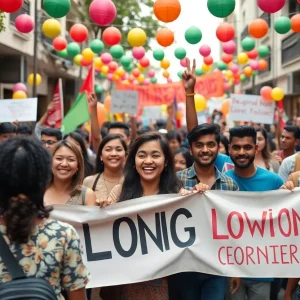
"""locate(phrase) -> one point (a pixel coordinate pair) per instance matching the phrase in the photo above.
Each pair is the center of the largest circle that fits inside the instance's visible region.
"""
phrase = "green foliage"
(130, 14)
(2, 17)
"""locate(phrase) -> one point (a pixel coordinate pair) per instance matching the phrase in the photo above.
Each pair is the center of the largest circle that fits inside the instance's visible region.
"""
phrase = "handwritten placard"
(124, 102)
(24, 110)
(251, 108)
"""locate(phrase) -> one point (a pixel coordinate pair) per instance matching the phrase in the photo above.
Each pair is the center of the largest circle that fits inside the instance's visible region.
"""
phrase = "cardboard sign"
(251, 108)
(124, 102)
(24, 110)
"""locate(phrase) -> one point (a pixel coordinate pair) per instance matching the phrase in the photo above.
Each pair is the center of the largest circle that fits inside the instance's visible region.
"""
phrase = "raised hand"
(189, 77)
(50, 106)
(92, 100)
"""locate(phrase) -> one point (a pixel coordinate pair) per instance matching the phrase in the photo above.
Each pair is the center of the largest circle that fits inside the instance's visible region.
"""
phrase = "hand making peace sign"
(189, 77)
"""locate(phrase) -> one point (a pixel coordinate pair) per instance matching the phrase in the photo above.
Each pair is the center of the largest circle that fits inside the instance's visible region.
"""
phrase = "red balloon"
(270, 6)
(136, 72)
(113, 66)
(79, 33)
(85, 63)
(144, 62)
(59, 43)
(266, 93)
(111, 36)
(208, 60)
(102, 12)
(227, 58)
(11, 6)
(24, 23)
(225, 32)
(252, 54)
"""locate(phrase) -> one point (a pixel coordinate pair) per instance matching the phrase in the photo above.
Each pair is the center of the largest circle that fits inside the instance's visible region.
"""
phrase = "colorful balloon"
(282, 25)
(277, 94)
(252, 54)
(263, 51)
(136, 37)
(98, 89)
(165, 37)
(19, 95)
(225, 32)
(10, 6)
(79, 33)
(24, 23)
(165, 64)
(200, 102)
(205, 50)
(111, 36)
(73, 49)
(221, 8)
(51, 28)
(242, 58)
(227, 58)
(248, 71)
(106, 58)
(270, 7)
(88, 54)
(38, 79)
(167, 10)
(113, 66)
(77, 59)
(180, 53)
(116, 51)
(138, 52)
(183, 62)
(98, 63)
(102, 12)
(205, 68)
(19, 87)
(125, 60)
(62, 54)
(158, 54)
(166, 74)
(57, 8)
(59, 43)
(208, 60)
(144, 62)
(222, 66)
(258, 28)
(151, 73)
(229, 47)
(248, 44)
(263, 65)
(97, 46)
(295, 20)
(254, 64)
(193, 35)
(266, 93)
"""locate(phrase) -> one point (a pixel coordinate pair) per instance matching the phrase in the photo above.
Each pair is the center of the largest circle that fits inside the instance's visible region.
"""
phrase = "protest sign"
(234, 234)
(24, 110)
(124, 102)
(251, 108)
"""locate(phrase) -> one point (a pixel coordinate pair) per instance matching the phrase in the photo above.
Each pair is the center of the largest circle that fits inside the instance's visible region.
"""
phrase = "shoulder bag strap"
(83, 194)
(10, 261)
(95, 182)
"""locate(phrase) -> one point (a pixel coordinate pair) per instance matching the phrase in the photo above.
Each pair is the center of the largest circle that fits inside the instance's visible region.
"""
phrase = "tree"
(2, 17)
(129, 15)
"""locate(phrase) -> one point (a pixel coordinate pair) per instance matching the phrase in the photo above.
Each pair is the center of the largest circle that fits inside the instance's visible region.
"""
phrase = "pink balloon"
(102, 12)
(24, 23)
(234, 68)
(236, 81)
(270, 6)
(205, 50)
(254, 64)
(183, 62)
(20, 87)
(138, 52)
(226, 86)
(106, 58)
(135, 82)
(147, 81)
(229, 47)
(151, 73)
(110, 76)
(169, 80)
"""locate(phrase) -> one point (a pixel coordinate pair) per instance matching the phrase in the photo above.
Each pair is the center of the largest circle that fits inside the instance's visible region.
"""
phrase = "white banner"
(24, 110)
(251, 108)
(124, 102)
(236, 234)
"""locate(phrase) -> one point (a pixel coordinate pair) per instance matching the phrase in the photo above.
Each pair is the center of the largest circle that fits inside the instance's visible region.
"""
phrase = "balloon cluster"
(268, 93)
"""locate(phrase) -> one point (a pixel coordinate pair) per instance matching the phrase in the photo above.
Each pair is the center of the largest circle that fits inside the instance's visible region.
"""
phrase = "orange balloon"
(165, 37)
(227, 58)
(225, 108)
(262, 64)
(296, 23)
(136, 72)
(165, 64)
(131, 78)
(248, 71)
(100, 113)
(166, 74)
(107, 103)
(208, 60)
(258, 28)
(167, 10)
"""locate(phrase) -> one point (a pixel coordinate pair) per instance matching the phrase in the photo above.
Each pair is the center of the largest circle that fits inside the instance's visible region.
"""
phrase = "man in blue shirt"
(242, 150)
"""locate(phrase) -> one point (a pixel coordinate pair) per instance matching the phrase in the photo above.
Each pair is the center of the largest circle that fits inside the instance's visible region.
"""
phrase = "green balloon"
(57, 8)
(263, 51)
(73, 49)
(158, 54)
(248, 43)
(102, 76)
(283, 25)
(97, 46)
(254, 73)
(62, 54)
(243, 77)
(222, 66)
(98, 89)
(221, 8)
(193, 35)
(153, 80)
(129, 68)
(180, 53)
(125, 61)
(116, 51)
(199, 72)
(179, 74)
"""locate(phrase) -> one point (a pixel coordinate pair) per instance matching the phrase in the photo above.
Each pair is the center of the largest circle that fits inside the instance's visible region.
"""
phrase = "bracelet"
(190, 95)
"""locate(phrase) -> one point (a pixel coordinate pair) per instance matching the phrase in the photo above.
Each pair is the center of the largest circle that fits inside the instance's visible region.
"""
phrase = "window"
(267, 18)
(290, 48)
(294, 7)
(244, 33)
(24, 10)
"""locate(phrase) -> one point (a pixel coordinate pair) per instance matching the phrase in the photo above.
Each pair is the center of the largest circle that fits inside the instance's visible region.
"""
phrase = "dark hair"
(119, 125)
(293, 129)
(144, 129)
(187, 156)
(173, 134)
(204, 129)
(108, 138)
(224, 140)
(169, 183)
(83, 134)
(241, 132)
(88, 166)
(52, 132)
(7, 127)
(25, 170)
(265, 152)
(24, 129)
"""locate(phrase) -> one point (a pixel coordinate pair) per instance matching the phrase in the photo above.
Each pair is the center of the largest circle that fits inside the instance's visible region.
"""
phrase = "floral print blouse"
(52, 253)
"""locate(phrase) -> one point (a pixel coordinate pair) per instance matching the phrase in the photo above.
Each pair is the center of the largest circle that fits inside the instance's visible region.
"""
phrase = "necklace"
(114, 182)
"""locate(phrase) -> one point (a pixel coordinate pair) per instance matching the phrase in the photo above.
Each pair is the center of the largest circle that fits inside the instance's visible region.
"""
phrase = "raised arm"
(133, 131)
(40, 124)
(189, 81)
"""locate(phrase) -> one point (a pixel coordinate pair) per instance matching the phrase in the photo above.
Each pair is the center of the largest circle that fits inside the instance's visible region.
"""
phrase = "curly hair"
(25, 170)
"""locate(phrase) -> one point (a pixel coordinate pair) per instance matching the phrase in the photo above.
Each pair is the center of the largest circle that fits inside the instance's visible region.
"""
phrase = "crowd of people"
(40, 168)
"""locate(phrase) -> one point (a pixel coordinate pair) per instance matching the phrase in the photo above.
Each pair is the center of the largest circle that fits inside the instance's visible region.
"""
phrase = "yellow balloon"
(242, 58)
(206, 68)
(120, 72)
(277, 94)
(200, 102)
(141, 78)
(19, 95)
(229, 74)
(116, 77)
(88, 54)
(164, 108)
(104, 70)
(51, 28)
(166, 74)
(77, 59)
(140, 68)
(136, 37)
(165, 64)
(98, 63)
(125, 81)
(38, 79)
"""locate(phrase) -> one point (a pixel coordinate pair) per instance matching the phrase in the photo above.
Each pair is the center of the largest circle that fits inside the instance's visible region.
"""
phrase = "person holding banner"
(45, 248)
(149, 171)
(7, 130)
